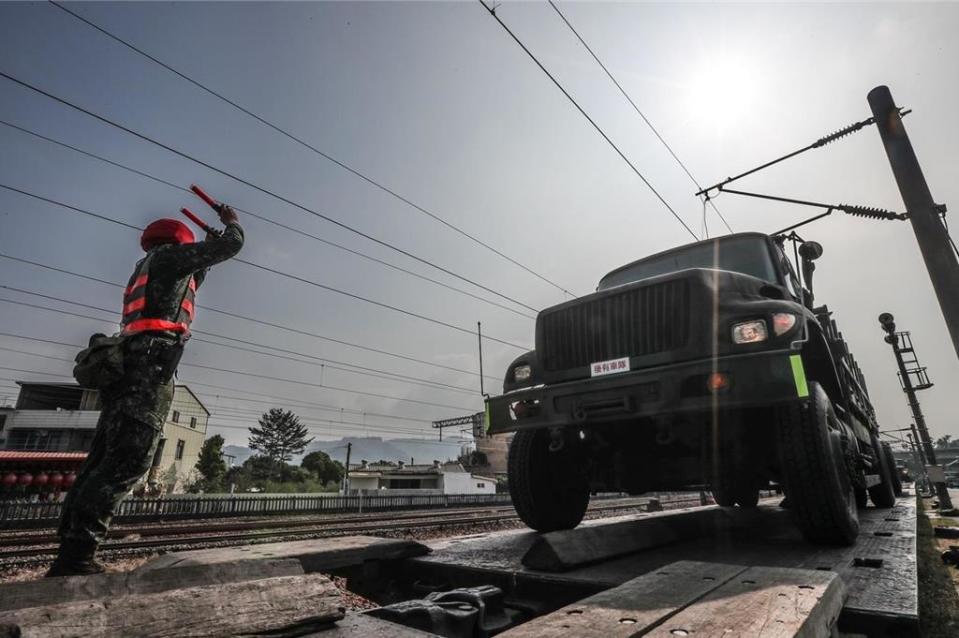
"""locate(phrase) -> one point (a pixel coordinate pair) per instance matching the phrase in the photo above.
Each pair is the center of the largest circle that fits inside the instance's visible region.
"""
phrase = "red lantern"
(41, 479)
(9, 479)
(25, 479)
(69, 479)
(56, 480)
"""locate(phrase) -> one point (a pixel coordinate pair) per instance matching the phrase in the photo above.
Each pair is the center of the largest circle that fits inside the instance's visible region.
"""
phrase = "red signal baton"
(199, 222)
(212, 203)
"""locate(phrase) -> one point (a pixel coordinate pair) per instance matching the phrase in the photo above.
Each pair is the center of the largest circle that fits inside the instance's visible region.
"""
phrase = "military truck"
(704, 365)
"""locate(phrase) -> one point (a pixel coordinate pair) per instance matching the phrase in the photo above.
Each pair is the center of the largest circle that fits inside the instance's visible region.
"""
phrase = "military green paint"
(799, 375)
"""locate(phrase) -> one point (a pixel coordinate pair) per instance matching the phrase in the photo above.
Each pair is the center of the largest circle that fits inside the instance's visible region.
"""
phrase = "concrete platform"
(879, 571)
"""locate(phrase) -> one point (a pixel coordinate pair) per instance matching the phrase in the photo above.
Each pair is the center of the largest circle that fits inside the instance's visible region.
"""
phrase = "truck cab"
(704, 365)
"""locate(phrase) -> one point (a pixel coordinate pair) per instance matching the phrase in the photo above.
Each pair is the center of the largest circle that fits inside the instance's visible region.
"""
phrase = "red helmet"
(166, 231)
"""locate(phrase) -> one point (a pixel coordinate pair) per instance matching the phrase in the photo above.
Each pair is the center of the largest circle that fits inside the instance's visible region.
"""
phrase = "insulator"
(872, 213)
(852, 128)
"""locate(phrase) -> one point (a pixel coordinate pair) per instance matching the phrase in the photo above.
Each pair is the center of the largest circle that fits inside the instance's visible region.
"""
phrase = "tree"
(323, 467)
(944, 441)
(279, 436)
(210, 466)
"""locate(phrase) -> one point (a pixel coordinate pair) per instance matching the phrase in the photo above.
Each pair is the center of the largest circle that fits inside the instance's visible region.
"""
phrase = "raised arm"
(186, 259)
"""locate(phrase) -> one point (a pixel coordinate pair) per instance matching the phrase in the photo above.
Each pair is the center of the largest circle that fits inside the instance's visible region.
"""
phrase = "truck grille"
(635, 322)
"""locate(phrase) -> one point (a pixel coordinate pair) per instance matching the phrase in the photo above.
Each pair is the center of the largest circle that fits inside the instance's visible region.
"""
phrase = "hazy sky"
(435, 101)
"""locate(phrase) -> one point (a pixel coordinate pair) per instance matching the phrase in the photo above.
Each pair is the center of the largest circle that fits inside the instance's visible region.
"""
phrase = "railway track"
(29, 548)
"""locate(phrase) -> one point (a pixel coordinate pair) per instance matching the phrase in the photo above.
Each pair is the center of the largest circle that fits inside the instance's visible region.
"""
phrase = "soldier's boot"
(76, 558)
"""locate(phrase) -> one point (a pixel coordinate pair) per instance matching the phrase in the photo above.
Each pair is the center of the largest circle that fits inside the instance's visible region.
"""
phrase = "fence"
(14, 514)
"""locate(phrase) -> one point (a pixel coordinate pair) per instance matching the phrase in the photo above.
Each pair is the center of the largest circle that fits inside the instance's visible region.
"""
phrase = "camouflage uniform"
(135, 408)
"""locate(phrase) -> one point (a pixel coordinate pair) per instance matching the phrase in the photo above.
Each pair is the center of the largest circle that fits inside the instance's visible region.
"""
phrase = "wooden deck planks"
(320, 554)
(690, 598)
(270, 605)
(763, 602)
(55, 591)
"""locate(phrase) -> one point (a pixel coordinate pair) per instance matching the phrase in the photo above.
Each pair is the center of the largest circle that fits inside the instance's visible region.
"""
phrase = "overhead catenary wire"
(263, 218)
(492, 12)
(256, 187)
(275, 271)
(311, 147)
(639, 112)
(227, 314)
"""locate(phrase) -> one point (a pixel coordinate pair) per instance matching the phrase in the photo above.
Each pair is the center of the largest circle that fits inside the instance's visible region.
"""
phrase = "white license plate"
(613, 366)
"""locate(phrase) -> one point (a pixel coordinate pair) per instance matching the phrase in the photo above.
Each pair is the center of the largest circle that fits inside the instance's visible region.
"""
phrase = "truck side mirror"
(809, 251)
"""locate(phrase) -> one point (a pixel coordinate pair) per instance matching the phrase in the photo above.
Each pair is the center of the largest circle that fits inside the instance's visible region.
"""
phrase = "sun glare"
(721, 91)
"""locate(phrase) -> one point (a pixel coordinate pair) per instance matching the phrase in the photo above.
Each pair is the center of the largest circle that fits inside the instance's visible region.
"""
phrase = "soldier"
(157, 311)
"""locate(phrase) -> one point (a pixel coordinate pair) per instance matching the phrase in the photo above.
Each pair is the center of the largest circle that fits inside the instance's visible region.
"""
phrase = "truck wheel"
(883, 493)
(550, 490)
(818, 486)
(893, 470)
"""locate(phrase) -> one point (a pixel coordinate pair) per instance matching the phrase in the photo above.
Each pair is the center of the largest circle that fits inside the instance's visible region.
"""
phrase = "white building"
(62, 417)
(438, 478)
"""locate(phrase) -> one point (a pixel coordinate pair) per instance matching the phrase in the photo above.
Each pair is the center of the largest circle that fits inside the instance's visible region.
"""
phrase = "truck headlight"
(750, 332)
(783, 322)
(522, 373)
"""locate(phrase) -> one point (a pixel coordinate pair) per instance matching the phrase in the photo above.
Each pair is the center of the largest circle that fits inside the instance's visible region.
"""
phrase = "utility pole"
(941, 262)
(346, 475)
(901, 344)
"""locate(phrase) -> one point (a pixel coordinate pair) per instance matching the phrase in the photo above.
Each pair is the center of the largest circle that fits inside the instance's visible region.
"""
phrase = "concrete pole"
(346, 474)
(941, 262)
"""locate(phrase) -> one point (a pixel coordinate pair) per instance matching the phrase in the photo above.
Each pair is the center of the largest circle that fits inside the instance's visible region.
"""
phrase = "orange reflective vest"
(139, 315)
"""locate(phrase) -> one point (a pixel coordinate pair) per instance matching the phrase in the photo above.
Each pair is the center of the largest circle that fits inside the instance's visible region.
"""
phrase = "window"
(3, 421)
(176, 417)
(481, 485)
(193, 422)
(180, 444)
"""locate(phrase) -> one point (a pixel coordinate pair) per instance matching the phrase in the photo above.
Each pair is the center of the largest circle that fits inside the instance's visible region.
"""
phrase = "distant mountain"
(377, 449)
(370, 449)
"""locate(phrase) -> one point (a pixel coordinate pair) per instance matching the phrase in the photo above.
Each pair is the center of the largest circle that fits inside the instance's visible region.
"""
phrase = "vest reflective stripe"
(145, 325)
(135, 304)
(139, 282)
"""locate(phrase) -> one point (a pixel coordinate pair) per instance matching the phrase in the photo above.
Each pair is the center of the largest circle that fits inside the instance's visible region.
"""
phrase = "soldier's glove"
(227, 214)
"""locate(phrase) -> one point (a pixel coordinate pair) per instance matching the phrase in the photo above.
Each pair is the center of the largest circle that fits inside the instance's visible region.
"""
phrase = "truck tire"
(550, 490)
(893, 470)
(821, 495)
(882, 494)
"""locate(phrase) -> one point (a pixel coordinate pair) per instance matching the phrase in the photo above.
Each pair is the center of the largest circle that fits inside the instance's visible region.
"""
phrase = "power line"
(327, 363)
(269, 378)
(266, 219)
(301, 142)
(196, 365)
(256, 187)
(596, 126)
(639, 112)
(278, 272)
(223, 312)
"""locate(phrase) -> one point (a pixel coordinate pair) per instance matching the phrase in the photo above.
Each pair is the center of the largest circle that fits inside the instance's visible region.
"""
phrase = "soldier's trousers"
(128, 431)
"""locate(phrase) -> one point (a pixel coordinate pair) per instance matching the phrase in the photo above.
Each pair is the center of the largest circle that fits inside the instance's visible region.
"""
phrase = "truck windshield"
(748, 255)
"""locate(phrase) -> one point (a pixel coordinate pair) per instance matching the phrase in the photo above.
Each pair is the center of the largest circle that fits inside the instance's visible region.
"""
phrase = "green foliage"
(280, 435)
(944, 441)
(210, 468)
(266, 475)
(322, 467)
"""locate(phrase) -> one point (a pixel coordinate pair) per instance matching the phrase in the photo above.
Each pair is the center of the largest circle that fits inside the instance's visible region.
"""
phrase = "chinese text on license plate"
(613, 366)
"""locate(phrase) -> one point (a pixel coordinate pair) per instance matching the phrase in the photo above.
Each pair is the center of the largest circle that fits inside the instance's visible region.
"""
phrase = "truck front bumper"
(754, 379)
